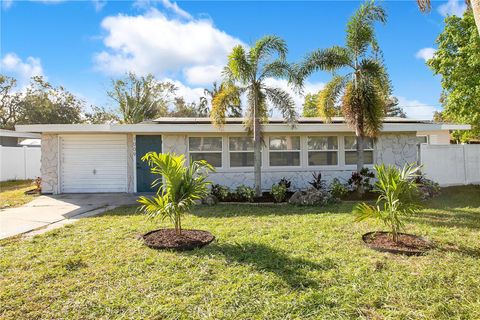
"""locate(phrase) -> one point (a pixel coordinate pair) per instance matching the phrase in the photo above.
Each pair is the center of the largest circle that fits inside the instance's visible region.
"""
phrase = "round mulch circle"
(168, 239)
(407, 244)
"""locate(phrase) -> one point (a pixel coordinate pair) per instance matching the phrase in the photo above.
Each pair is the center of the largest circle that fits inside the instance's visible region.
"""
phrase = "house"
(10, 138)
(107, 157)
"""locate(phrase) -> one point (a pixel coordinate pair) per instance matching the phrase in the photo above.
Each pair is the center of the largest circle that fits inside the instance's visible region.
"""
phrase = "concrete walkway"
(56, 210)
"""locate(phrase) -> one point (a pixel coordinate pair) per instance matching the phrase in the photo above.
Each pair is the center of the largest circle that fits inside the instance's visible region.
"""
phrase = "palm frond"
(228, 96)
(267, 47)
(284, 102)
(238, 67)
(424, 5)
(329, 60)
(328, 97)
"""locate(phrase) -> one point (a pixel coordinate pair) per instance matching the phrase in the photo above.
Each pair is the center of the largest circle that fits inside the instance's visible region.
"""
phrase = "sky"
(83, 45)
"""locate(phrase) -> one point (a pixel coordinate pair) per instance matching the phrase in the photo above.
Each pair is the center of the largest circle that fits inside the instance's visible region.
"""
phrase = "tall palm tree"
(246, 72)
(364, 88)
(474, 5)
(234, 107)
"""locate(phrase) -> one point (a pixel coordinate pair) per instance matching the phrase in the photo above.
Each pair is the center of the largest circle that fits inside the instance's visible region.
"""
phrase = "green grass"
(12, 193)
(268, 262)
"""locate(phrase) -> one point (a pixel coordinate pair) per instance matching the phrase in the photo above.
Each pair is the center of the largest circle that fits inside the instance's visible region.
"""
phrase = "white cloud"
(188, 93)
(452, 7)
(148, 4)
(203, 74)
(416, 109)
(12, 65)
(425, 53)
(154, 43)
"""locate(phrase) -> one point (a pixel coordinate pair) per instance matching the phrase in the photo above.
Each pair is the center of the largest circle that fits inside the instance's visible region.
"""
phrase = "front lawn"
(12, 193)
(268, 262)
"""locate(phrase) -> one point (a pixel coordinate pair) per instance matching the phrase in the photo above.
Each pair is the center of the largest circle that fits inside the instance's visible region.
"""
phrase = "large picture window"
(241, 151)
(351, 150)
(206, 148)
(322, 151)
(284, 151)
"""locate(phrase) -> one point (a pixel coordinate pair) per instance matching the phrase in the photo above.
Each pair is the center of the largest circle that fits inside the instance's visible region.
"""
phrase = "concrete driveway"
(52, 210)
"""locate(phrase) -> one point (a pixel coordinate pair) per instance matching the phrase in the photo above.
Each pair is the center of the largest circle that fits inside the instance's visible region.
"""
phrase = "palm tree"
(234, 107)
(179, 186)
(363, 90)
(247, 72)
(474, 5)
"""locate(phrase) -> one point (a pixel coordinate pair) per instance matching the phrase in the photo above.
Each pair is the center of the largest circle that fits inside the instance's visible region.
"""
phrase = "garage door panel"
(93, 163)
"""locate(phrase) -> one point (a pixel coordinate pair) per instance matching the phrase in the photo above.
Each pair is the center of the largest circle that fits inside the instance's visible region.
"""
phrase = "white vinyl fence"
(452, 164)
(18, 163)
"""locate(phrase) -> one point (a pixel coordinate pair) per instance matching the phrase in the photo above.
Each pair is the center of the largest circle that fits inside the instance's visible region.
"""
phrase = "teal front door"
(145, 144)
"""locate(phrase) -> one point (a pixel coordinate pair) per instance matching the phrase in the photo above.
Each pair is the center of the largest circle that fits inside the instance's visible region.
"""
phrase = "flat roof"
(19, 134)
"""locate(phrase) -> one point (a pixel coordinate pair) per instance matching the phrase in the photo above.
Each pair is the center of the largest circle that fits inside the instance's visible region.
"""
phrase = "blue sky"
(83, 44)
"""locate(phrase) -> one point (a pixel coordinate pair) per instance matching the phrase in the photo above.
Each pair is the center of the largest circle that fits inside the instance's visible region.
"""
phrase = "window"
(351, 150)
(322, 151)
(241, 151)
(422, 139)
(206, 148)
(284, 151)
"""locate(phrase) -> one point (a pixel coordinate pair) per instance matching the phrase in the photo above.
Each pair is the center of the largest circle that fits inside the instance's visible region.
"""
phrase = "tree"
(100, 115)
(310, 105)
(9, 102)
(457, 60)
(179, 186)
(189, 110)
(234, 109)
(246, 72)
(141, 98)
(363, 90)
(392, 109)
(43, 103)
(473, 6)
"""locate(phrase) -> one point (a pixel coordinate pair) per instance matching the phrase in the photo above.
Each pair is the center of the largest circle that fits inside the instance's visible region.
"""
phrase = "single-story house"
(107, 157)
(10, 138)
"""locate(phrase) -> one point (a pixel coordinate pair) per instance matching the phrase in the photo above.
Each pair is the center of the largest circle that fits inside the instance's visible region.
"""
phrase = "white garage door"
(93, 163)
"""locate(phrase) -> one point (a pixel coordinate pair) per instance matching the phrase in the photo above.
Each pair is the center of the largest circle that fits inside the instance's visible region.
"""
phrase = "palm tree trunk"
(360, 161)
(257, 157)
(475, 4)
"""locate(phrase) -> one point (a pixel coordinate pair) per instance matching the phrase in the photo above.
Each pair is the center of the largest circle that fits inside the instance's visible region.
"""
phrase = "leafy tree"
(392, 109)
(189, 110)
(182, 185)
(141, 98)
(246, 72)
(9, 102)
(473, 7)
(363, 90)
(100, 115)
(457, 60)
(234, 109)
(399, 197)
(310, 105)
(43, 103)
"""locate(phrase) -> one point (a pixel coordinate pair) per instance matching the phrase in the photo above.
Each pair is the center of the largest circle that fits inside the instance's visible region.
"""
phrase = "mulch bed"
(266, 197)
(168, 239)
(407, 244)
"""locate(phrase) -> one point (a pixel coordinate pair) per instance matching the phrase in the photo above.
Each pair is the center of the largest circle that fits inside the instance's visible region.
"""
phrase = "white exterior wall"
(19, 163)
(436, 137)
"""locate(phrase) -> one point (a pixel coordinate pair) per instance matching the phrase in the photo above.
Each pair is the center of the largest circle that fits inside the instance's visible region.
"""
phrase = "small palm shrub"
(179, 186)
(279, 192)
(245, 193)
(220, 192)
(399, 197)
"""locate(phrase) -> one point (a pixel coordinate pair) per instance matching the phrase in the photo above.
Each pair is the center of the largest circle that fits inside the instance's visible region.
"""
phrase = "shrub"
(181, 186)
(317, 182)
(362, 178)
(398, 198)
(245, 193)
(338, 189)
(279, 192)
(285, 182)
(220, 192)
(428, 188)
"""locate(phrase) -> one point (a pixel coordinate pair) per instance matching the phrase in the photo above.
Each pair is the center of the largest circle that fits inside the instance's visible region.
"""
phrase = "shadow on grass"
(449, 217)
(466, 251)
(293, 271)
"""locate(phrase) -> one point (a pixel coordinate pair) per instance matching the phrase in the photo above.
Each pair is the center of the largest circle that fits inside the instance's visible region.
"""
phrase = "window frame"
(222, 161)
(427, 138)
(345, 152)
(229, 152)
(322, 166)
(299, 151)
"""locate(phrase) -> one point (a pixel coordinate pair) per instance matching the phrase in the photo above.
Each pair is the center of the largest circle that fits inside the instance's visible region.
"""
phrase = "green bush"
(279, 192)
(220, 192)
(337, 189)
(399, 197)
(245, 193)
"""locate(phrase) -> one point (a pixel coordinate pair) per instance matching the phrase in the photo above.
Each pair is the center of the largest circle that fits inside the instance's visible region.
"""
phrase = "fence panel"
(451, 164)
(17, 163)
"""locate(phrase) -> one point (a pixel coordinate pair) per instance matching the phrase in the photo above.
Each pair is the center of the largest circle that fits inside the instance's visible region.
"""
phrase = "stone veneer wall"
(396, 148)
(49, 163)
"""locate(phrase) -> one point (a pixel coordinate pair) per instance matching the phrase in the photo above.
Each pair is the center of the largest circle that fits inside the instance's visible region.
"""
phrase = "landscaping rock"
(210, 200)
(311, 197)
